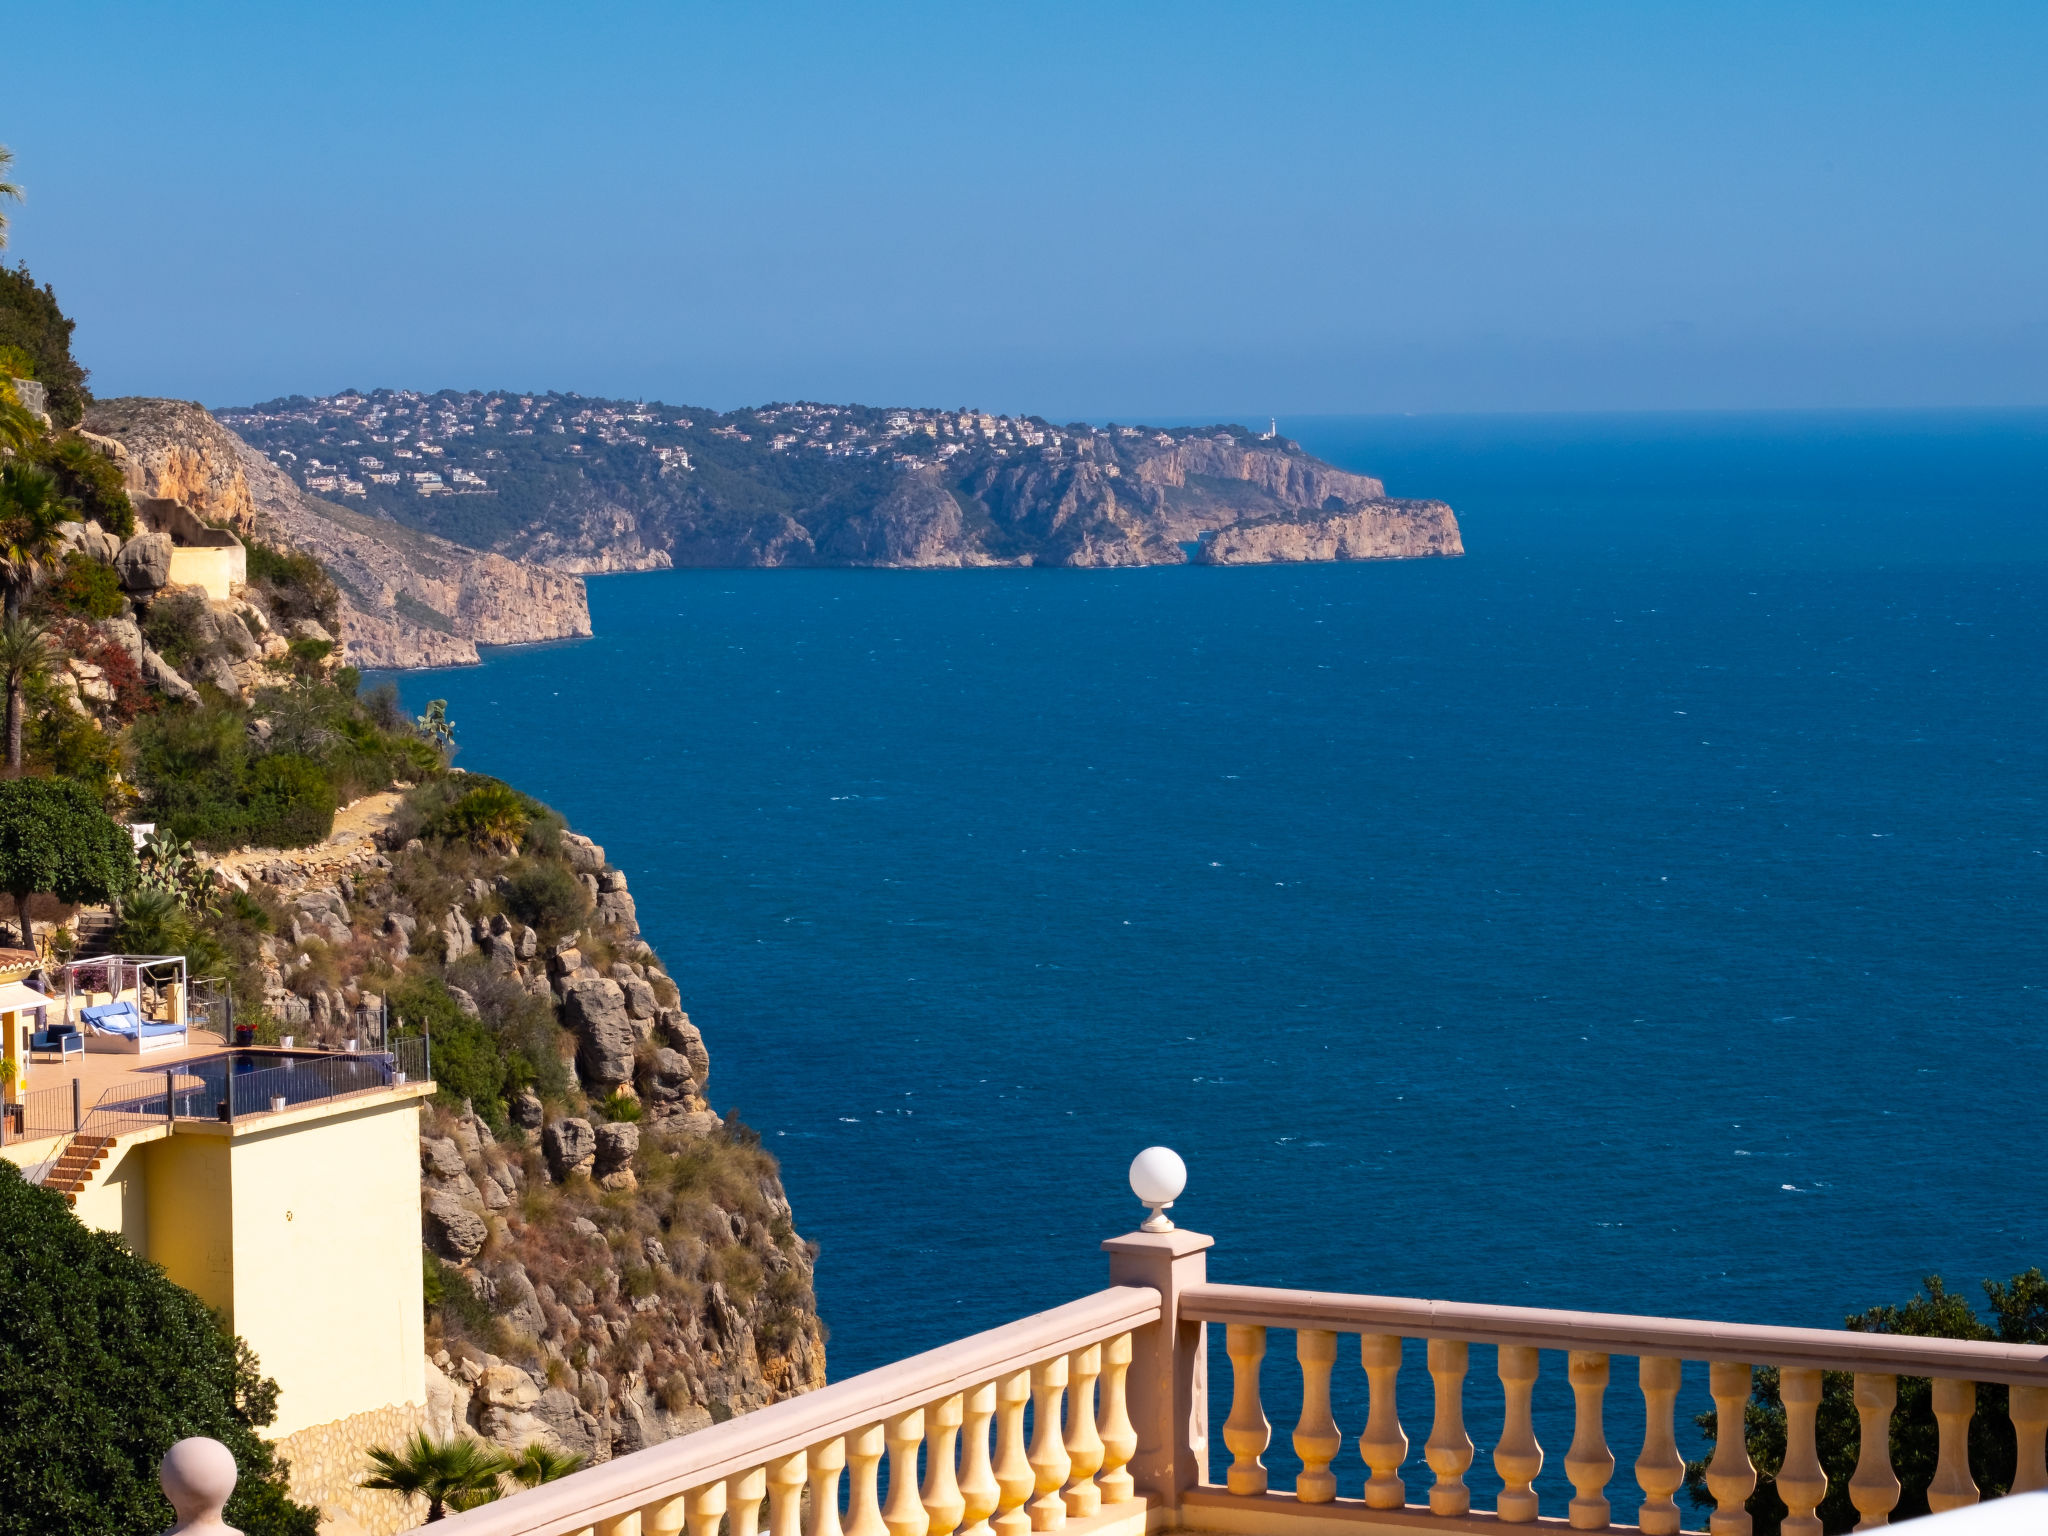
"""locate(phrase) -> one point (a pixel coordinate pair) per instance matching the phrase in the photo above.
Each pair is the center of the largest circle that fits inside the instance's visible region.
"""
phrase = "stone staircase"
(94, 929)
(76, 1164)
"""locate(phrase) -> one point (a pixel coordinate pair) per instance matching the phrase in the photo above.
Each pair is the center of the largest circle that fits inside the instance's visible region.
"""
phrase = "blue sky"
(1087, 210)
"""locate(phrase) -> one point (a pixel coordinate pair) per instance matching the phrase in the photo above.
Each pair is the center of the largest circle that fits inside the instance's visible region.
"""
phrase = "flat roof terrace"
(204, 1078)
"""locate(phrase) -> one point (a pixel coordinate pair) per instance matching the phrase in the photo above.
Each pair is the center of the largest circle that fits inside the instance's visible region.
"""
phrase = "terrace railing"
(1589, 1341)
(1091, 1418)
(47, 1112)
(961, 1409)
(217, 1088)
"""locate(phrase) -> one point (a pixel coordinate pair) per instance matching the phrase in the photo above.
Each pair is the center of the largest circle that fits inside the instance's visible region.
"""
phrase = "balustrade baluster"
(1119, 1438)
(1084, 1441)
(864, 1449)
(825, 1463)
(1589, 1463)
(1802, 1483)
(944, 1505)
(1448, 1449)
(904, 1514)
(2029, 1414)
(1731, 1478)
(1013, 1474)
(704, 1509)
(1246, 1431)
(627, 1524)
(1953, 1487)
(664, 1517)
(979, 1492)
(1383, 1445)
(1048, 1449)
(1518, 1458)
(743, 1494)
(1874, 1486)
(1660, 1470)
(786, 1495)
(1316, 1440)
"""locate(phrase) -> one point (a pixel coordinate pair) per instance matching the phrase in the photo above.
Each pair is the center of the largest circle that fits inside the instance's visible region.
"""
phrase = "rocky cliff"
(1373, 530)
(613, 1264)
(409, 599)
(581, 484)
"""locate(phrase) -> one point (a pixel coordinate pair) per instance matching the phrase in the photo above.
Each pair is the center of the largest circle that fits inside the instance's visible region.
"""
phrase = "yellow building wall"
(118, 1201)
(189, 1216)
(303, 1229)
(326, 1243)
(218, 569)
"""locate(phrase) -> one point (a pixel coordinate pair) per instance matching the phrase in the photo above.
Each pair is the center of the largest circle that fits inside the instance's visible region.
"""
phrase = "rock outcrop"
(618, 1263)
(409, 599)
(1378, 530)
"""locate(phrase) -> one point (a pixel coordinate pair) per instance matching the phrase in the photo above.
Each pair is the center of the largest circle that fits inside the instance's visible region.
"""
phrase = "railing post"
(1802, 1482)
(1246, 1431)
(77, 1114)
(1448, 1449)
(1168, 1384)
(1874, 1486)
(1316, 1440)
(1731, 1476)
(1518, 1458)
(1382, 1444)
(170, 1096)
(1589, 1463)
(2029, 1413)
(1660, 1470)
(1952, 1487)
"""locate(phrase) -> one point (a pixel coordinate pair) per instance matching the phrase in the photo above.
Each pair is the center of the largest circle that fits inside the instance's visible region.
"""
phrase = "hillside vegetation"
(608, 1261)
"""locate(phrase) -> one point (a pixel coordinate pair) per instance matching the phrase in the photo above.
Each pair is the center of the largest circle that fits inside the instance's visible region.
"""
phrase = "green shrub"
(543, 894)
(31, 320)
(175, 626)
(60, 741)
(293, 586)
(151, 923)
(620, 1105)
(92, 480)
(521, 1025)
(57, 839)
(86, 587)
(449, 1294)
(381, 707)
(305, 655)
(467, 1063)
(289, 802)
(109, 1364)
(488, 815)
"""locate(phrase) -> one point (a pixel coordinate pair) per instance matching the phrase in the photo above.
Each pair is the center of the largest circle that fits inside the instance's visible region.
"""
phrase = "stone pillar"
(1169, 1378)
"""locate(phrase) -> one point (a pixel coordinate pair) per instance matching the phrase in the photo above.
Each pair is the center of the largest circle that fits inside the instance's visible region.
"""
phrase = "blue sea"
(1642, 913)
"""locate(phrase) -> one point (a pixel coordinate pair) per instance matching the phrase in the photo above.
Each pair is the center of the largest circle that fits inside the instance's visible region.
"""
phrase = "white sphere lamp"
(197, 1475)
(1157, 1178)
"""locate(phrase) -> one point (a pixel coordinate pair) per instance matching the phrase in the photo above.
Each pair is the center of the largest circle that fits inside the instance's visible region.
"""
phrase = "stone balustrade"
(1092, 1419)
(1243, 1503)
(1024, 1428)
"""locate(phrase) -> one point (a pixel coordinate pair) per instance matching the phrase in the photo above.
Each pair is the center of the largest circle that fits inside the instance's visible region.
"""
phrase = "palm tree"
(8, 190)
(460, 1472)
(31, 512)
(536, 1464)
(150, 921)
(18, 428)
(24, 659)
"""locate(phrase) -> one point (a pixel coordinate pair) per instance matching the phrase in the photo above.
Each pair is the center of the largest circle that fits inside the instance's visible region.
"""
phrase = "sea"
(1643, 913)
